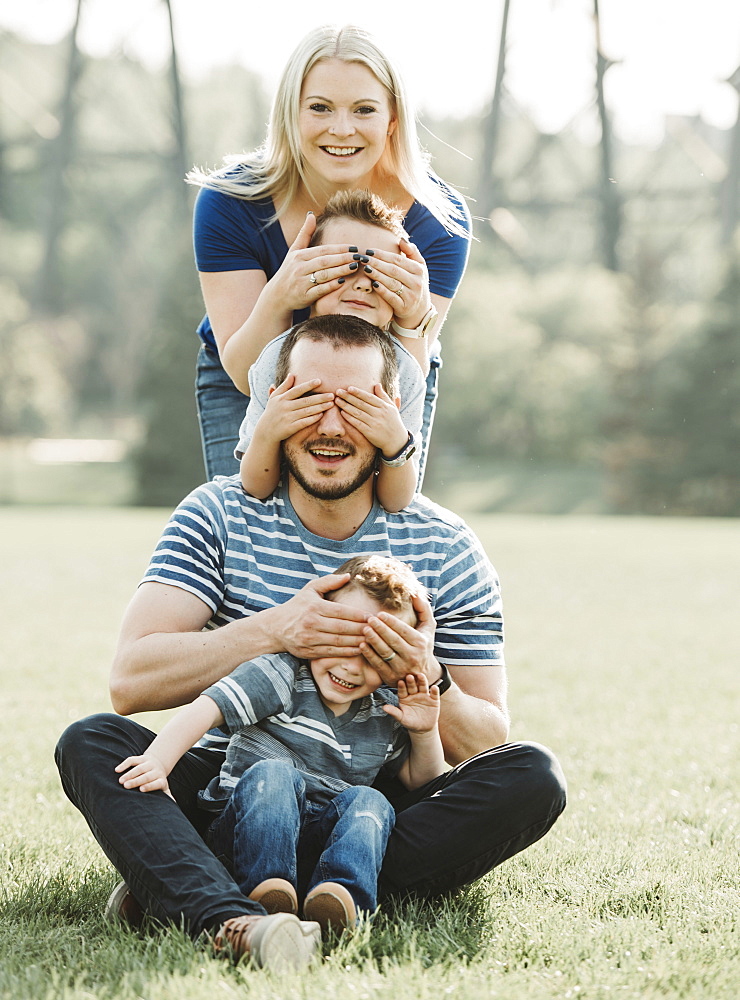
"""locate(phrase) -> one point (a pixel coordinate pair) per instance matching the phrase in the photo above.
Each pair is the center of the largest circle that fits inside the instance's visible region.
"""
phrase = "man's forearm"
(167, 669)
(469, 725)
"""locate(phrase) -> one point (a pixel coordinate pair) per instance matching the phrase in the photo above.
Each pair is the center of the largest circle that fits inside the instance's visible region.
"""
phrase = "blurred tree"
(168, 462)
(608, 193)
(527, 361)
(679, 451)
(60, 152)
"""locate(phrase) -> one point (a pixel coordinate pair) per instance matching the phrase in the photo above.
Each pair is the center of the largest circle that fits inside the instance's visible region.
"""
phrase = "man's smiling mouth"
(327, 452)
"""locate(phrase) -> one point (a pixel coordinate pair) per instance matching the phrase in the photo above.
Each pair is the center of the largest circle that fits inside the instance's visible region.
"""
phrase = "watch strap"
(445, 681)
(401, 457)
(419, 332)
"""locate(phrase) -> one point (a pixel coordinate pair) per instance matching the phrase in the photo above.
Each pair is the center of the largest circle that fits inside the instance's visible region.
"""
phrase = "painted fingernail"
(354, 266)
(353, 249)
(357, 257)
(368, 270)
(376, 284)
(364, 259)
(340, 281)
(370, 253)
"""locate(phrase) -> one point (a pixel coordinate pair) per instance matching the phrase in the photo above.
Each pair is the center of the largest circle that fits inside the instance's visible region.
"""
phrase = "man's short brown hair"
(341, 332)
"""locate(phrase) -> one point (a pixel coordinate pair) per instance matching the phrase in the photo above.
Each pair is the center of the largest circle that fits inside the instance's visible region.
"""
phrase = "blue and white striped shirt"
(241, 556)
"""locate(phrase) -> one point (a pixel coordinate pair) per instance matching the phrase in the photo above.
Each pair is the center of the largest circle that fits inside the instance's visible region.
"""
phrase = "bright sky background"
(673, 54)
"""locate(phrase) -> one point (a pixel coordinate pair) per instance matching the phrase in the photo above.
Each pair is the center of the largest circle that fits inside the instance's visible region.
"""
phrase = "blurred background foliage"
(590, 359)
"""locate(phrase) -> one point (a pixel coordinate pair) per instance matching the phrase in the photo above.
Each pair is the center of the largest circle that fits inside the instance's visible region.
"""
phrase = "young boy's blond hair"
(389, 581)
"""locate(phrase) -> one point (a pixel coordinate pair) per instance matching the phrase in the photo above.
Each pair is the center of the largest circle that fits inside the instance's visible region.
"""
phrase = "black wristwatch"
(445, 681)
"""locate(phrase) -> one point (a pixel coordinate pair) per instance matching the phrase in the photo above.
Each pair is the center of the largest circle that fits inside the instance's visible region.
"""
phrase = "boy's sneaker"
(123, 906)
(331, 906)
(274, 942)
(277, 895)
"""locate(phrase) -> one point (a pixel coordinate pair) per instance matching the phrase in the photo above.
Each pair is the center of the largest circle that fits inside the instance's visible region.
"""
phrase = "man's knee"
(524, 772)
(546, 778)
(77, 738)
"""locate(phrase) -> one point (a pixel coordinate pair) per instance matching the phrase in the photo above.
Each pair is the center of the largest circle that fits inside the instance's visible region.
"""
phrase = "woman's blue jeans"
(221, 409)
(269, 823)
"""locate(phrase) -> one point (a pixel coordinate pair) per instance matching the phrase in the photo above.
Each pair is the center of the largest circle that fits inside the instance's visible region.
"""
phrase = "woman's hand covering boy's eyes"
(403, 282)
(292, 285)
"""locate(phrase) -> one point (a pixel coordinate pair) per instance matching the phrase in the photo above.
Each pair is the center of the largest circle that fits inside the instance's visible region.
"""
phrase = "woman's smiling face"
(357, 297)
(345, 119)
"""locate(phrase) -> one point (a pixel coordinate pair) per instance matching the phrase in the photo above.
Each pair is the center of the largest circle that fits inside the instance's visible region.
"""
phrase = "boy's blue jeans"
(268, 823)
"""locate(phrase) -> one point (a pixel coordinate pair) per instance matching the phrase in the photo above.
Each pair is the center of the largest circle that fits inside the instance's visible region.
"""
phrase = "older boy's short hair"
(360, 206)
(389, 581)
(340, 332)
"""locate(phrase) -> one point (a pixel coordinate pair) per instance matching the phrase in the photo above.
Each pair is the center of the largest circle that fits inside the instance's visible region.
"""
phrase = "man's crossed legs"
(447, 833)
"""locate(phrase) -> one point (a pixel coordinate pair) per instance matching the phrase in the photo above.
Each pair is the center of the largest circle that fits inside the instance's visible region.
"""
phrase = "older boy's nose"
(362, 281)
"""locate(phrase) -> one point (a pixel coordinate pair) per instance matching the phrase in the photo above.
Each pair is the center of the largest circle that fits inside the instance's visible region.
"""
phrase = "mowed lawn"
(623, 656)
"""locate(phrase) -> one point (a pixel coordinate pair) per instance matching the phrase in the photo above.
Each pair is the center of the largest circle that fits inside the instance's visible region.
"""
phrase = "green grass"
(623, 655)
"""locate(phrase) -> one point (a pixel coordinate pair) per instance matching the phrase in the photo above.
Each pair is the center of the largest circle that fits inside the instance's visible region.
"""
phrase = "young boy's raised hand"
(418, 704)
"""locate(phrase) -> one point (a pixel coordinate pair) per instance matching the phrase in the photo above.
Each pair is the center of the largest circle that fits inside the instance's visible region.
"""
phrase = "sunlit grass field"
(623, 655)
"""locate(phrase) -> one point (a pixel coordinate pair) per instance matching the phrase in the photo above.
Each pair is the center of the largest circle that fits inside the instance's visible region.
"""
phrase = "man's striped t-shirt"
(241, 555)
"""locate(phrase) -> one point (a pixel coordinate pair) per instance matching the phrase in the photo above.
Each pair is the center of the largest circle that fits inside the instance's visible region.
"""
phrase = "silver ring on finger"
(387, 659)
(399, 292)
(313, 278)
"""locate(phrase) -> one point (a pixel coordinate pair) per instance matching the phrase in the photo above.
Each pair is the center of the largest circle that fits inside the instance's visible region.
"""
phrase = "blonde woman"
(340, 121)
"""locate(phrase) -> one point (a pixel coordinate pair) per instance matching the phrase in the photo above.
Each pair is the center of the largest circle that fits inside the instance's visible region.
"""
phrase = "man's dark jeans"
(447, 834)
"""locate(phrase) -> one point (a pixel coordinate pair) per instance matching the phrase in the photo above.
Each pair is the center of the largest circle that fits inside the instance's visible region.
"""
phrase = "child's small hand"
(145, 773)
(292, 408)
(376, 416)
(418, 704)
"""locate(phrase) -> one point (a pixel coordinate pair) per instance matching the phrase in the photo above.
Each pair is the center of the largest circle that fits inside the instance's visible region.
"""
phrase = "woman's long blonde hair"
(276, 169)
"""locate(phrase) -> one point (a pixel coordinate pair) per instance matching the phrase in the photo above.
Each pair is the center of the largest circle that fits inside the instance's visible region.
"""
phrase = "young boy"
(275, 412)
(307, 739)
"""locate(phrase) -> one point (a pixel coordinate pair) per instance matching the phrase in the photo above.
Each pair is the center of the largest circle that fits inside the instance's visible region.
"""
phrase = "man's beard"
(329, 489)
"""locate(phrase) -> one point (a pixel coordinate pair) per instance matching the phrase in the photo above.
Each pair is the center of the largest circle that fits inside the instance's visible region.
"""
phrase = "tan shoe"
(277, 895)
(122, 905)
(274, 942)
(330, 904)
